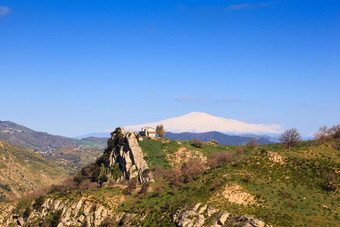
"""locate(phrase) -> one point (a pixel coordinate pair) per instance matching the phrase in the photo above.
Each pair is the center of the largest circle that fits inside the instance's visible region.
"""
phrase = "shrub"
(144, 190)
(219, 159)
(88, 185)
(252, 144)
(190, 169)
(239, 150)
(197, 143)
(158, 189)
(131, 185)
(247, 177)
(158, 171)
(173, 176)
(146, 173)
(27, 212)
(216, 184)
(56, 218)
(38, 202)
(330, 183)
(116, 172)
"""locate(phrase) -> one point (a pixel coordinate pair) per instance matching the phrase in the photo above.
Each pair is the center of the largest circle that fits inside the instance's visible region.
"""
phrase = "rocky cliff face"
(123, 149)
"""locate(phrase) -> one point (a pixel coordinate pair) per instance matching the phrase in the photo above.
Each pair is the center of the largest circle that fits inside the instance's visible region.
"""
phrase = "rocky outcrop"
(203, 215)
(72, 213)
(274, 157)
(123, 148)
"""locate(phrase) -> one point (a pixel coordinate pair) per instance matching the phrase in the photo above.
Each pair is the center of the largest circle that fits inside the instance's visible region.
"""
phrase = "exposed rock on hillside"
(275, 157)
(203, 215)
(183, 154)
(66, 212)
(123, 148)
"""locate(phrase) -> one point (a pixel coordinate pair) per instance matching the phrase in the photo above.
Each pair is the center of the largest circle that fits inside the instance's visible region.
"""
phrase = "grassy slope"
(22, 171)
(288, 194)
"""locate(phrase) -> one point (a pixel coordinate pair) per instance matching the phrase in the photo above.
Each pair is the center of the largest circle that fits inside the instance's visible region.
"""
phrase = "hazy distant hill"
(73, 159)
(223, 139)
(22, 171)
(41, 142)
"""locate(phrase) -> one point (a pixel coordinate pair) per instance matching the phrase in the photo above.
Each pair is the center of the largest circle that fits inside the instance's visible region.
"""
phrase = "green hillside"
(23, 171)
(297, 187)
(41, 142)
(289, 187)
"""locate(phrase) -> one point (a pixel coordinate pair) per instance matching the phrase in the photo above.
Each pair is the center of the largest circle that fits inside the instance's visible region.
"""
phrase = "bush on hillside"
(246, 177)
(144, 190)
(330, 183)
(190, 169)
(197, 143)
(219, 159)
(38, 202)
(239, 150)
(131, 186)
(252, 144)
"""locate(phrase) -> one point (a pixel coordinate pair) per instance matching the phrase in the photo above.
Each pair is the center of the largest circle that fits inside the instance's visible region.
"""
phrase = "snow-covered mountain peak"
(203, 122)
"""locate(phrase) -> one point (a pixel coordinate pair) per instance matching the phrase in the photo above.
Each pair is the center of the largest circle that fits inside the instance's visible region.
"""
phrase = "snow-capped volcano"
(203, 122)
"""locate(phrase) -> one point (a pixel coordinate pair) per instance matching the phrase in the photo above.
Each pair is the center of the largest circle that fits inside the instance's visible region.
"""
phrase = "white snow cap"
(203, 122)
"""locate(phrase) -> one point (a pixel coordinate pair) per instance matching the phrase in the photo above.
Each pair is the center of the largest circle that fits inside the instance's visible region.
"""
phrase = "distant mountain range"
(206, 127)
(42, 142)
(223, 139)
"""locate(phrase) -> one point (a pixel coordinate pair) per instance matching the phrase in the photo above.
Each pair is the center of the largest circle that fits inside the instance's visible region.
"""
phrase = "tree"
(252, 144)
(160, 130)
(326, 134)
(322, 134)
(290, 137)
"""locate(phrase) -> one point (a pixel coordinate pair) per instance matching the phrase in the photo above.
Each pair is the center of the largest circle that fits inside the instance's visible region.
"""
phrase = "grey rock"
(211, 210)
(222, 218)
(245, 221)
(125, 150)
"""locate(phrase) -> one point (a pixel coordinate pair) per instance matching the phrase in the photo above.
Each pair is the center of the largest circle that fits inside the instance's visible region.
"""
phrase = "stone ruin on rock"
(123, 149)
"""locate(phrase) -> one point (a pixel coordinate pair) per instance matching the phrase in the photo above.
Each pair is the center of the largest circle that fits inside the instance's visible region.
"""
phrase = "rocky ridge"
(123, 149)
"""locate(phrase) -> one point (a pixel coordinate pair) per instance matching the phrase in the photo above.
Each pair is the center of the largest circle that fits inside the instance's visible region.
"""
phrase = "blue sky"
(74, 67)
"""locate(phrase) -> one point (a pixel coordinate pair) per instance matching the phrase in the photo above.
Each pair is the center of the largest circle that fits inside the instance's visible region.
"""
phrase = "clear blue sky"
(74, 67)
